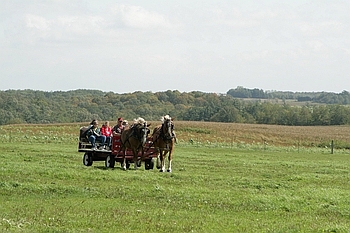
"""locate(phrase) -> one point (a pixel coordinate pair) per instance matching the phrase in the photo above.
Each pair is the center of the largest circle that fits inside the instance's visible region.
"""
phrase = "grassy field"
(215, 186)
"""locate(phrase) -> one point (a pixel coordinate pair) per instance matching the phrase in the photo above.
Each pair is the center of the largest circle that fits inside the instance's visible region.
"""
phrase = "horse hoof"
(169, 170)
(161, 170)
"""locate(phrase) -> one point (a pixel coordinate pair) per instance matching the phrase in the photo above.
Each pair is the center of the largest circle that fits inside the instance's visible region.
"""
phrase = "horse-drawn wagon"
(115, 154)
(134, 146)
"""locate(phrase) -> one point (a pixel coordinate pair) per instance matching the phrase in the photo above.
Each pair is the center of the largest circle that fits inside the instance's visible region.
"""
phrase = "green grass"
(44, 187)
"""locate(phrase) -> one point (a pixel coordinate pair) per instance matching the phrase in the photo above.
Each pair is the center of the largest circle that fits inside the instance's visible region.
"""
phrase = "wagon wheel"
(87, 159)
(138, 163)
(110, 161)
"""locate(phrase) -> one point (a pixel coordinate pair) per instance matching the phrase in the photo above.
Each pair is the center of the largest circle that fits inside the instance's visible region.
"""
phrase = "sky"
(210, 46)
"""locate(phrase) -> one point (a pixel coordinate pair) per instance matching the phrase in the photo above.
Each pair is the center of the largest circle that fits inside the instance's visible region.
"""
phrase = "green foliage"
(28, 106)
(241, 92)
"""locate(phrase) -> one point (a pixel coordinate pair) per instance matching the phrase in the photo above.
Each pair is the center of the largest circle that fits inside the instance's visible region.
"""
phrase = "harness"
(163, 136)
(135, 134)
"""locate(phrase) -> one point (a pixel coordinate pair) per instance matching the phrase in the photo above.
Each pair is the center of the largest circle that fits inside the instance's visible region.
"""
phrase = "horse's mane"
(165, 118)
(139, 121)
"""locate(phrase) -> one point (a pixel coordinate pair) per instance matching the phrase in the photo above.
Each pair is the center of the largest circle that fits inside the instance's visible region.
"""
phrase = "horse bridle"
(169, 134)
(135, 133)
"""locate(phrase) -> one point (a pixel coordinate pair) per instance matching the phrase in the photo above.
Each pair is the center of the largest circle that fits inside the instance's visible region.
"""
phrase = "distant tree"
(241, 92)
(304, 98)
(228, 114)
(321, 115)
(304, 116)
(340, 115)
(6, 117)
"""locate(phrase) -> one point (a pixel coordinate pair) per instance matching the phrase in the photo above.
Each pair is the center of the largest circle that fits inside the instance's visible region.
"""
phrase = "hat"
(120, 119)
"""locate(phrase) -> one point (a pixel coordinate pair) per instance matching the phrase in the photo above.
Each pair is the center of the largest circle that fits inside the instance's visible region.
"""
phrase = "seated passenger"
(94, 135)
(107, 131)
(92, 123)
(84, 130)
(118, 128)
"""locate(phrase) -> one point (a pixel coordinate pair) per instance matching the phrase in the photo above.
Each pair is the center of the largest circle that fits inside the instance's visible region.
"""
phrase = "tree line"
(31, 106)
(312, 97)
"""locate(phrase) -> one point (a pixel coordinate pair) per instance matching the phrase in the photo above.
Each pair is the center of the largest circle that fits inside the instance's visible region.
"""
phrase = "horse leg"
(162, 160)
(124, 160)
(135, 153)
(170, 158)
(159, 165)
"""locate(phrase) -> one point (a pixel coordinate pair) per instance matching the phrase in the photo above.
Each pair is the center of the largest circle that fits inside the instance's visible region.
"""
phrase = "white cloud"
(80, 26)
(232, 17)
(265, 14)
(37, 22)
(255, 55)
(317, 46)
(323, 28)
(180, 39)
(105, 27)
(138, 17)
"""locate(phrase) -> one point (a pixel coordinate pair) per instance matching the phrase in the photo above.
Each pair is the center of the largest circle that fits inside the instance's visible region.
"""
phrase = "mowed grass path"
(44, 187)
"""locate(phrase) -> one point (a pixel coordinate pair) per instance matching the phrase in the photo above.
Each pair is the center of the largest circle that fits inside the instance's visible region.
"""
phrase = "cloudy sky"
(185, 45)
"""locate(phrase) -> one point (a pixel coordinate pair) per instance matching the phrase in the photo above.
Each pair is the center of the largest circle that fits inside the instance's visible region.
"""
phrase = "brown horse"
(163, 138)
(134, 138)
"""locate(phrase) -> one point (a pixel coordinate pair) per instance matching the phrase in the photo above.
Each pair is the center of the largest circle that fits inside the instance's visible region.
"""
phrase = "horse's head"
(167, 127)
(141, 129)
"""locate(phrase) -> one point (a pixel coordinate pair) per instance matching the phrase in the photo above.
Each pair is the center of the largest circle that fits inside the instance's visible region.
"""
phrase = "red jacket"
(107, 131)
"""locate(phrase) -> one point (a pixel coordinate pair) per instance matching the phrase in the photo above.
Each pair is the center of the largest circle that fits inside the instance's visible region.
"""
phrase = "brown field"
(271, 134)
(213, 132)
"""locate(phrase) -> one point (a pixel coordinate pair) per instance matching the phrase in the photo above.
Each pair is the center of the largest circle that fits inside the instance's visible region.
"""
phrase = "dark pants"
(109, 141)
(94, 138)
